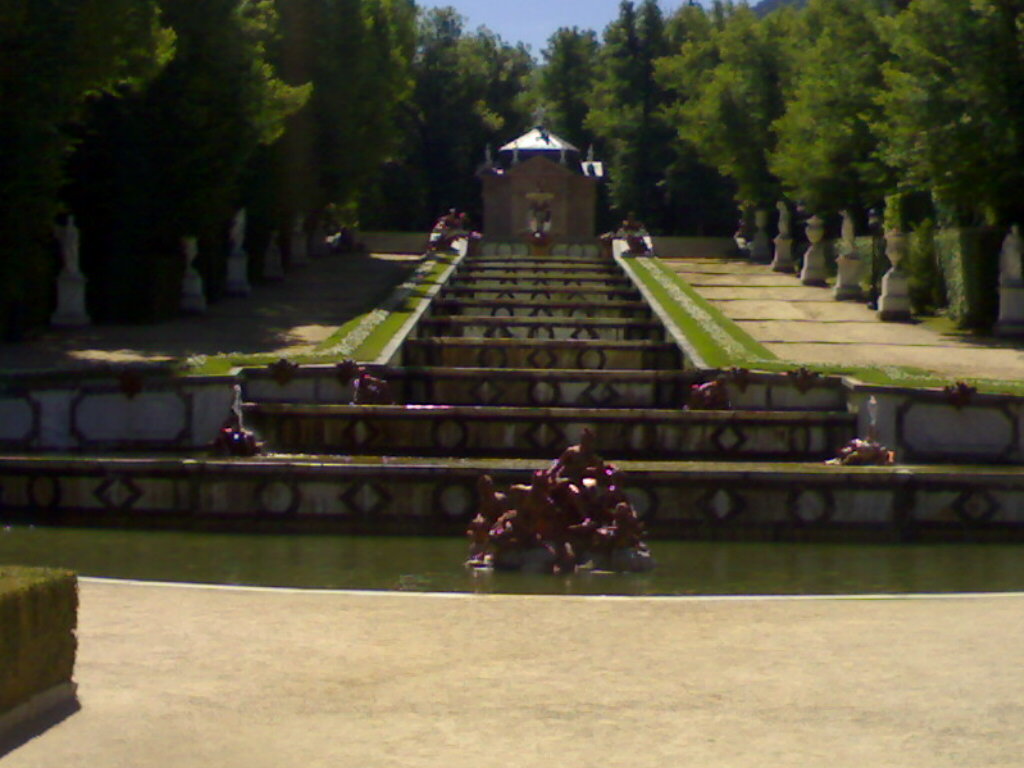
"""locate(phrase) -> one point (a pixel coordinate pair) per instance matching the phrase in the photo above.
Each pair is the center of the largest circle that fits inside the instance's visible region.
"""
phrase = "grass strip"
(726, 345)
(718, 340)
(361, 337)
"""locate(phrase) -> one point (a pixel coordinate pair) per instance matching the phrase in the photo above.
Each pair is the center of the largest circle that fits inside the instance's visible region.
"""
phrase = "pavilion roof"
(539, 139)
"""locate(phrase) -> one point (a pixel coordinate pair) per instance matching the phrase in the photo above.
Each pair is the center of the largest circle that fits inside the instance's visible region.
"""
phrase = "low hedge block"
(38, 617)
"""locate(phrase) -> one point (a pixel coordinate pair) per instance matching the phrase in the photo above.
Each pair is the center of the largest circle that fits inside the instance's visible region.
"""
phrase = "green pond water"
(436, 564)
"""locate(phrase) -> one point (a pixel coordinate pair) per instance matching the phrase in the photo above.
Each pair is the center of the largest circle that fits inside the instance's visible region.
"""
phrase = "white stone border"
(497, 596)
(694, 310)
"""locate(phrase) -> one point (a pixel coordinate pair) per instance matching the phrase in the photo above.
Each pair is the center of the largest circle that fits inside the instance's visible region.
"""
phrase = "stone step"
(636, 310)
(489, 386)
(476, 270)
(536, 261)
(595, 328)
(553, 280)
(788, 501)
(565, 294)
(540, 388)
(522, 250)
(542, 354)
(537, 432)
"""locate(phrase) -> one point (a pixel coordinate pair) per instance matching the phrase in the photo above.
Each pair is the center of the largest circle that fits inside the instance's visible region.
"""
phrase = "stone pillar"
(273, 265)
(894, 303)
(298, 244)
(192, 297)
(814, 272)
(1011, 286)
(849, 264)
(760, 249)
(71, 282)
(783, 260)
(238, 259)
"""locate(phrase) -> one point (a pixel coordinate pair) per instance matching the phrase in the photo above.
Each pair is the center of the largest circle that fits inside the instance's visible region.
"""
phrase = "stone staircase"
(517, 355)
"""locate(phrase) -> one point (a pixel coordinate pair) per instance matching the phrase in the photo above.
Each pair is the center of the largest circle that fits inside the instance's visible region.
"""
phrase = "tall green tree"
(827, 154)
(565, 82)
(357, 55)
(167, 161)
(728, 92)
(954, 104)
(53, 55)
(625, 114)
(470, 90)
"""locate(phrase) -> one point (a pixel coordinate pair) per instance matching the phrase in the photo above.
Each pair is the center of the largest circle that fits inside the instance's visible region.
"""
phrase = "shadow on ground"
(293, 315)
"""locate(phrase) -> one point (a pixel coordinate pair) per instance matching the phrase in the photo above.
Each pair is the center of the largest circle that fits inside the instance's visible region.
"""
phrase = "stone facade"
(507, 211)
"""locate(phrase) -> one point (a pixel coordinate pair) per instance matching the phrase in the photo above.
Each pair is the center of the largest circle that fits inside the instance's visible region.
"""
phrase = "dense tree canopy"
(954, 104)
(566, 80)
(53, 55)
(827, 153)
(179, 112)
(729, 89)
(470, 91)
(166, 161)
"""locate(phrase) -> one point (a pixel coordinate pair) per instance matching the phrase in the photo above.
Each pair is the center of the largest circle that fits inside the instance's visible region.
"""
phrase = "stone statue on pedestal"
(192, 297)
(848, 264)
(783, 259)
(1010, 258)
(71, 282)
(760, 250)
(238, 259)
(1011, 286)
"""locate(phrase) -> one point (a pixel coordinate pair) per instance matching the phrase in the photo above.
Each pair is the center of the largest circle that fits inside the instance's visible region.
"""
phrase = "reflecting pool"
(435, 564)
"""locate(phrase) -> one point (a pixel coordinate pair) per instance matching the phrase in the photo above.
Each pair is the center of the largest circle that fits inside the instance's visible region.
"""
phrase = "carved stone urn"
(894, 303)
(814, 272)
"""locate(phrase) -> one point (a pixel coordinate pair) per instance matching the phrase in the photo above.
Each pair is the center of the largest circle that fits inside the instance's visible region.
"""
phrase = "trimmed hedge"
(38, 616)
(970, 267)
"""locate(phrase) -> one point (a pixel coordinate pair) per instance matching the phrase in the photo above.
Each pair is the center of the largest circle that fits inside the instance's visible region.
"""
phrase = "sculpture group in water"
(573, 515)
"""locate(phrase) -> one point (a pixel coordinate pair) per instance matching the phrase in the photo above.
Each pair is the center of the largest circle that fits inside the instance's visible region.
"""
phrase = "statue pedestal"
(814, 272)
(192, 297)
(273, 266)
(783, 261)
(847, 286)
(1011, 309)
(760, 247)
(70, 312)
(299, 250)
(238, 274)
(894, 303)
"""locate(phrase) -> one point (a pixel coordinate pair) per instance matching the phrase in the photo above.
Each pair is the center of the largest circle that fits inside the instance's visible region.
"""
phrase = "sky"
(533, 21)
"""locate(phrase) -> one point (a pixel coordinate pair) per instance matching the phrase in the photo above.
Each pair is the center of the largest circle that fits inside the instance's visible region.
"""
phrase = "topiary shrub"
(927, 292)
(970, 269)
(38, 616)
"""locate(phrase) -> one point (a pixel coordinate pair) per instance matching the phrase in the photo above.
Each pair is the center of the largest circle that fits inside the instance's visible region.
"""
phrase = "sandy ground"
(292, 316)
(806, 325)
(226, 678)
